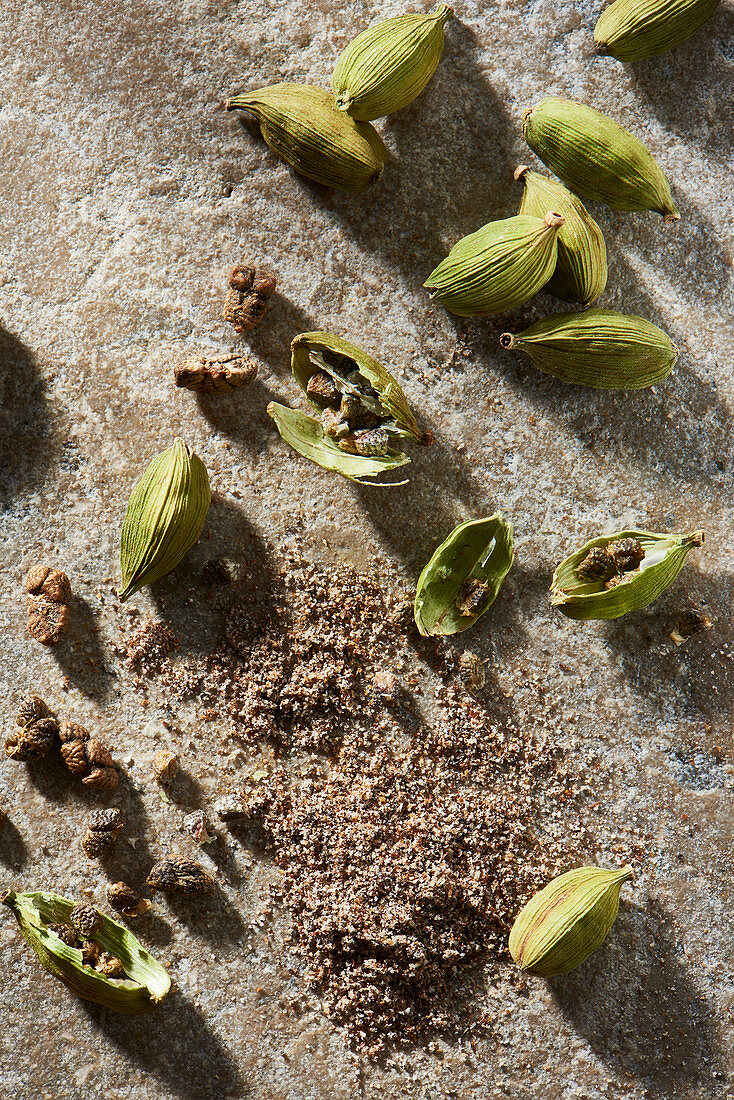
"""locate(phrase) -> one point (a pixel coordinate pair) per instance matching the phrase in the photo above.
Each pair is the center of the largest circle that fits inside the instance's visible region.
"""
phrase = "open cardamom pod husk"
(364, 414)
(614, 574)
(145, 982)
(462, 579)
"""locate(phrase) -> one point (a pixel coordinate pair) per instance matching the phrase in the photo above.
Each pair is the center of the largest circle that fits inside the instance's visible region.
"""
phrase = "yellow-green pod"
(598, 348)
(389, 64)
(464, 575)
(567, 920)
(596, 157)
(499, 267)
(632, 30)
(164, 518)
(302, 124)
(580, 594)
(581, 268)
(142, 989)
(365, 416)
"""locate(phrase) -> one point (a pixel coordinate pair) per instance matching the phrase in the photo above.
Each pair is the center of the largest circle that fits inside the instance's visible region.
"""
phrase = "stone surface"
(128, 195)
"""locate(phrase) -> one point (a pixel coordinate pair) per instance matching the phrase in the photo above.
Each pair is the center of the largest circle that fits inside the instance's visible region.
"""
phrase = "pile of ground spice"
(431, 812)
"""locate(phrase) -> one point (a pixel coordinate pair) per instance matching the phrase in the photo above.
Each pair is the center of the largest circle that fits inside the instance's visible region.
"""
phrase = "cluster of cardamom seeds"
(39, 731)
(328, 137)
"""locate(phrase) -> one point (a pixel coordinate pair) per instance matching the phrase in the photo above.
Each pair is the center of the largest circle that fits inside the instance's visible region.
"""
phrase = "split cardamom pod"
(581, 268)
(567, 920)
(598, 348)
(596, 157)
(640, 566)
(45, 917)
(364, 414)
(462, 579)
(632, 30)
(304, 126)
(164, 518)
(499, 267)
(389, 64)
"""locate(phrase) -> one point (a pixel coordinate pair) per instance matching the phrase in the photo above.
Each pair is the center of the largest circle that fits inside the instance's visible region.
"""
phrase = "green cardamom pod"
(567, 920)
(389, 64)
(597, 348)
(596, 157)
(462, 579)
(303, 125)
(581, 268)
(632, 30)
(640, 566)
(364, 414)
(44, 918)
(499, 267)
(164, 518)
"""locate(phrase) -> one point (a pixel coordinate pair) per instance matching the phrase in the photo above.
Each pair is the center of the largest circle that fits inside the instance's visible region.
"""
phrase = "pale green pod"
(598, 348)
(355, 375)
(499, 267)
(580, 598)
(302, 124)
(632, 30)
(596, 157)
(146, 982)
(567, 920)
(164, 518)
(386, 66)
(581, 268)
(464, 575)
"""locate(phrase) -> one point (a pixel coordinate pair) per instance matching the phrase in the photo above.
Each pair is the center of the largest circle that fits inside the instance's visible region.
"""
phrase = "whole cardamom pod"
(44, 917)
(567, 920)
(598, 348)
(386, 66)
(164, 518)
(640, 570)
(499, 267)
(464, 575)
(632, 30)
(303, 125)
(581, 268)
(596, 157)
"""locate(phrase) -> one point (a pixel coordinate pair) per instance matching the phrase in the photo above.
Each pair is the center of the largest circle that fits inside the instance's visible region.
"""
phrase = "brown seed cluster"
(87, 757)
(215, 373)
(180, 876)
(49, 597)
(102, 832)
(248, 297)
(37, 731)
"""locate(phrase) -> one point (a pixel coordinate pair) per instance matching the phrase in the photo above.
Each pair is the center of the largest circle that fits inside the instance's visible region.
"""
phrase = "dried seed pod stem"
(303, 125)
(596, 157)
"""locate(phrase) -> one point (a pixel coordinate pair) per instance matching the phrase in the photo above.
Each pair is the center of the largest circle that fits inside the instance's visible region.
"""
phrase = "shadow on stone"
(13, 849)
(27, 440)
(81, 655)
(691, 113)
(211, 919)
(177, 1046)
(635, 1004)
(242, 415)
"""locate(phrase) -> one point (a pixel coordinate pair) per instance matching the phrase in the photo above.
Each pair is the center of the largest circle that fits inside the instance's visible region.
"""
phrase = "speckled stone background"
(127, 195)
